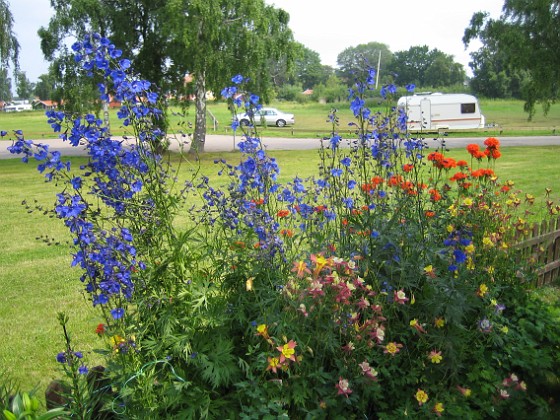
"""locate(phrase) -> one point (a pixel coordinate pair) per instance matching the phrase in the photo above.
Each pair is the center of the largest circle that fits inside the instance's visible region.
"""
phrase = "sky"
(325, 26)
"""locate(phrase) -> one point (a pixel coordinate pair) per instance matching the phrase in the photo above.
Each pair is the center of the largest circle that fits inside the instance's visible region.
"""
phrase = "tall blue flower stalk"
(107, 204)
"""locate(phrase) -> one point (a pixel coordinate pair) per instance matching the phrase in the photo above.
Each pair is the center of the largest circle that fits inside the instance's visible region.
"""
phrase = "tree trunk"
(199, 136)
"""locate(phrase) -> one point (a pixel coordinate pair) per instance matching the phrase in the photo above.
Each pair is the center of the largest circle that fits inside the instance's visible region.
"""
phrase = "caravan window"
(468, 108)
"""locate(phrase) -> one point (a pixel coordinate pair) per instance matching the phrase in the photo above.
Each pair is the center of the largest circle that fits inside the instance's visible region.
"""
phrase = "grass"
(36, 281)
(507, 115)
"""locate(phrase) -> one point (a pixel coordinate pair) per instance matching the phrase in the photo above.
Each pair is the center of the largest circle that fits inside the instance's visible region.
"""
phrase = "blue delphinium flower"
(61, 357)
(117, 313)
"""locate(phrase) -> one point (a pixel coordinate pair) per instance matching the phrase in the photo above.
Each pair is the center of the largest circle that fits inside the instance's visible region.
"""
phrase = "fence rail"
(542, 246)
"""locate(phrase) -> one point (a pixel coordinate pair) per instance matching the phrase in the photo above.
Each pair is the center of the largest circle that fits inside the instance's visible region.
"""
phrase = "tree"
(492, 78)
(215, 39)
(5, 85)
(9, 46)
(356, 59)
(308, 69)
(425, 67)
(137, 27)
(24, 87)
(527, 38)
(45, 87)
(333, 90)
(168, 39)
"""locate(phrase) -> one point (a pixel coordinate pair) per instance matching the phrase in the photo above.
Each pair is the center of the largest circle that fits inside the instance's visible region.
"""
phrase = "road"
(226, 143)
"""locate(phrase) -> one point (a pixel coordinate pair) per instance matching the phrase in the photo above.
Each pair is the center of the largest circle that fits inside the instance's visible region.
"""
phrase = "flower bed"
(384, 286)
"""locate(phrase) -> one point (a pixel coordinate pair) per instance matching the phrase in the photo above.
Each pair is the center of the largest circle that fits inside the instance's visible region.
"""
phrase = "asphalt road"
(226, 143)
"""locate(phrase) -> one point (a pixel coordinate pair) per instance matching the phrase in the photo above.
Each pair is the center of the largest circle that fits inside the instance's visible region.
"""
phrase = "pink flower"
(400, 297)
(368, 371)
(343, 387)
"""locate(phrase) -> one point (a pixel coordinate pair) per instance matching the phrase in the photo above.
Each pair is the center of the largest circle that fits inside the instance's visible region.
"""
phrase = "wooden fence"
(542, 246)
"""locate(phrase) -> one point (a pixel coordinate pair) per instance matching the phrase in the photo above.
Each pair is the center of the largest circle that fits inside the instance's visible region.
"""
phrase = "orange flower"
(287, 232)
(429, 213)
(492, 143)
(300, 268)
(283, 213)
(408, 167)
(458, 176)
(473, 149)
(434, 195)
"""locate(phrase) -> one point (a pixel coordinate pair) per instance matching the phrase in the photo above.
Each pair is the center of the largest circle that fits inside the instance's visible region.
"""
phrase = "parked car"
(270, 116)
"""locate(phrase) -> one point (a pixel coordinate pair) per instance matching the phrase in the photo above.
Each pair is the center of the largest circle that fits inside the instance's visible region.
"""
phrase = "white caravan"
(441, 111)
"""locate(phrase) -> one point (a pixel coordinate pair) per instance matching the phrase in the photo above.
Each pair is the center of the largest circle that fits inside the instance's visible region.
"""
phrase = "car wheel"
(244, 123)
(280, 123)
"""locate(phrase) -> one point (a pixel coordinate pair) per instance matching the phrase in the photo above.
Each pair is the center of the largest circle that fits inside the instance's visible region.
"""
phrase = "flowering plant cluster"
(386, 285)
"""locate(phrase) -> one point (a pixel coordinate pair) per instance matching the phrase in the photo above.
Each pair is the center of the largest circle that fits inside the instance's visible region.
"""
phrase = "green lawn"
(36, 281)
(507, 115)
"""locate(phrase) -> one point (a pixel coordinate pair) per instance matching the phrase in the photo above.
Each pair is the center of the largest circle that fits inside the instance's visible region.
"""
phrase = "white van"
(441, 111)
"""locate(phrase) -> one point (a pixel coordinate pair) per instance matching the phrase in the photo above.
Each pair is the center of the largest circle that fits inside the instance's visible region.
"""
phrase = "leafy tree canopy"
(9, 46)
(24, 88)
(354, 59)
(211, 40)
(425, 67)
(527, 38)
(493, 78)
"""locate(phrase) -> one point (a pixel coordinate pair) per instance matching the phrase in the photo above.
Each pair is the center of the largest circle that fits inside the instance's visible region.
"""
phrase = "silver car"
(269, 116)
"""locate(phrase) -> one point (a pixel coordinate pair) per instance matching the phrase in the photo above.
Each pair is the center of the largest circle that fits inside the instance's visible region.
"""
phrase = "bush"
(385, 286)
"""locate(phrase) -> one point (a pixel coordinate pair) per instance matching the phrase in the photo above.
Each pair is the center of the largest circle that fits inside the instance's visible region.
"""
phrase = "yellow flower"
(287, 351)
(439, 322)
(490, 270)
(469, 249)
(438, 408)
(450, 228)
(467, 202)
(115, 341)
(470, 264)
(392, 348)
(487, 242)
(249, 284)
(262, 330)
(421, 397)
(435, 357)
(482, 290)
(504, 329)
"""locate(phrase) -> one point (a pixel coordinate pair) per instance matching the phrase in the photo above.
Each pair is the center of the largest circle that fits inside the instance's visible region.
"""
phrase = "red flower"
(473, 149)
(492, 143)
(283, 213)
(100, 330)
(408, 167)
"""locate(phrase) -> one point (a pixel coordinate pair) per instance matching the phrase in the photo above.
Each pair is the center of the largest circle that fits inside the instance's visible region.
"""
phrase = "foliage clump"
(387, 285)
